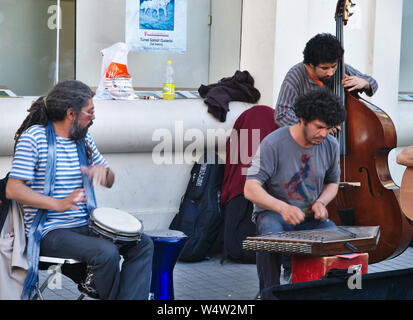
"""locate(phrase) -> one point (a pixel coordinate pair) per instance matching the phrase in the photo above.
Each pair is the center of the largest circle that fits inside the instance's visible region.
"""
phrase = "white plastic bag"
(115, 80)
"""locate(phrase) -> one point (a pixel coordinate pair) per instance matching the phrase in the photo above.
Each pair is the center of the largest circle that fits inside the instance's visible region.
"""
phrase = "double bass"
(367, 194)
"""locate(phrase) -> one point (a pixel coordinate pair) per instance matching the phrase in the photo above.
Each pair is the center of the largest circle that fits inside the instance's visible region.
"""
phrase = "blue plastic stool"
(167, 247)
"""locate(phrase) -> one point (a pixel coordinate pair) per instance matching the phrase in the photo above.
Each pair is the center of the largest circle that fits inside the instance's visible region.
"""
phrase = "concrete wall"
(406, 63)
(128, 134)
(258, 45)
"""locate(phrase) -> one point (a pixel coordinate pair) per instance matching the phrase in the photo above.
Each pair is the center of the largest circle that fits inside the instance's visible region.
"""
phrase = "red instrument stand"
(308, 268)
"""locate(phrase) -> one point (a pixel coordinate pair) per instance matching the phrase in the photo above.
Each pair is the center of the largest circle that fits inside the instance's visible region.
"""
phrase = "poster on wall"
(156, 25)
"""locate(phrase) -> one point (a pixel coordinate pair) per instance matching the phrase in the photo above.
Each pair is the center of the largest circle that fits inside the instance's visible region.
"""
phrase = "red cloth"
(239, 152)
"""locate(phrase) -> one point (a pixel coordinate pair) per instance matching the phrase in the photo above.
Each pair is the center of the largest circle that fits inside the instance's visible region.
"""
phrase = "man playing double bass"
(322, 54)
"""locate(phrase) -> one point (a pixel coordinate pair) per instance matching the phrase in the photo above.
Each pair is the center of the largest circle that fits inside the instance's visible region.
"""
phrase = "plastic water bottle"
(169, 85)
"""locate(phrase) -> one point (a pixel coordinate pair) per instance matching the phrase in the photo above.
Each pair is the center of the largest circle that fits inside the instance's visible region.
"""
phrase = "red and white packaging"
(115, 80)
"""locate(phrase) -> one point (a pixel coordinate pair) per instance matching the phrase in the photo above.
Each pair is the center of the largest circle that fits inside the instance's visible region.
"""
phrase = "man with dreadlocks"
(54, 163)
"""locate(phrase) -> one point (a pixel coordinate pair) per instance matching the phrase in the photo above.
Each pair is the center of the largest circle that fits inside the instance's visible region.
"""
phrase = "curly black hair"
(323, 48)
(320, 104)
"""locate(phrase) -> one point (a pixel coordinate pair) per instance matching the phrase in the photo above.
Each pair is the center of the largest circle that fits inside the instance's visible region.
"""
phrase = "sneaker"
(88, 286)
(258, 296)
(87, 290)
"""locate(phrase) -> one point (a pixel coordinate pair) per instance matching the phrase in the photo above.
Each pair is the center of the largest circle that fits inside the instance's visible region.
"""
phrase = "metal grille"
(273, 246)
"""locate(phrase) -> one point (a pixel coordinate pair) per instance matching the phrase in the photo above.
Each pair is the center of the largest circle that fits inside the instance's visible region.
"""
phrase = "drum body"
(167, 247)
(115, 225)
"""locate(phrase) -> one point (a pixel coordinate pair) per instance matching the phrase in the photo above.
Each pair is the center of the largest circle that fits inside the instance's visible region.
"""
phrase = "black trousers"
(130, 282)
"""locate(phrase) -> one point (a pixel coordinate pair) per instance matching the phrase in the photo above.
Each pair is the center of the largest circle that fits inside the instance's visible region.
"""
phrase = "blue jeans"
(269, 264)
(131, 282)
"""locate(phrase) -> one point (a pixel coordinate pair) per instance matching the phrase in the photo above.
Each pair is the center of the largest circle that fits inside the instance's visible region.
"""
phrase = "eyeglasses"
(88, 114)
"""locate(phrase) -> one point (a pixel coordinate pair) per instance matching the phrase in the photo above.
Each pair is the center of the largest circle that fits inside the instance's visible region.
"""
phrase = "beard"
(78, 133)
(329, 82)
(314, 140)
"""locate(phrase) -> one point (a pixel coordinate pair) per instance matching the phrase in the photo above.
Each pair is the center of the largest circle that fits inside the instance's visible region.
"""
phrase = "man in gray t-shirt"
(295, 174)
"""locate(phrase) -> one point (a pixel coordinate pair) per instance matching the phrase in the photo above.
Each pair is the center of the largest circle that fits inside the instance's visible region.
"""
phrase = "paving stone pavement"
(212, 280)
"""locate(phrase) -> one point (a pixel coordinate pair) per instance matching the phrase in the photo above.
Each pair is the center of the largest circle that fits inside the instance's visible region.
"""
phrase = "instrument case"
(387, 285)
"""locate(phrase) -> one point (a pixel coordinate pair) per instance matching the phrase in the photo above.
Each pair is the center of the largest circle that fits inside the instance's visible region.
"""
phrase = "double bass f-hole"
(369, 184)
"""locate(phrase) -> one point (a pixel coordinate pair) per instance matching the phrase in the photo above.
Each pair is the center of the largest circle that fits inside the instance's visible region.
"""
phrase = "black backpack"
(200, 216)
(238, 226)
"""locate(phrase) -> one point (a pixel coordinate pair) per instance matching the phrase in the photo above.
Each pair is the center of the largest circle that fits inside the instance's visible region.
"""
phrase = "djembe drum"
(115, 225)
(167, 247)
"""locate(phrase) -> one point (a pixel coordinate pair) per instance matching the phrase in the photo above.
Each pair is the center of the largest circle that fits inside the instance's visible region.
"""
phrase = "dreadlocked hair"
(37, 115)
(68, 94)
(89, 152)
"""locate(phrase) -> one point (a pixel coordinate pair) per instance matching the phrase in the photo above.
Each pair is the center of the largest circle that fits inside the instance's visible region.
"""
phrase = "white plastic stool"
(58, 263)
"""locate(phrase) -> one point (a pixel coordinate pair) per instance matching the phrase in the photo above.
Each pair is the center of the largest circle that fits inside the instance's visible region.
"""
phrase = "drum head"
(116, 221)
(166, 235)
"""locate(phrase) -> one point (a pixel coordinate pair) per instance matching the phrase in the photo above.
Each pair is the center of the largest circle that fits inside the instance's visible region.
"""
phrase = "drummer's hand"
(320, 210)
(292, 215)
(70, 202)
(352, 83)
(96, 173)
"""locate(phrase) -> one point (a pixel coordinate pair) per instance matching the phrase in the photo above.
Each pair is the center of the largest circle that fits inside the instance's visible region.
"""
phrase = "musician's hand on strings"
(70, 202)
(292, 215)
(96, 173)
(320, 210)
(335, 130)
(352, 83)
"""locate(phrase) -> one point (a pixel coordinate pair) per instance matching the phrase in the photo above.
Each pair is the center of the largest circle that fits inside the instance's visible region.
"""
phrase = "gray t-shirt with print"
(292, 173)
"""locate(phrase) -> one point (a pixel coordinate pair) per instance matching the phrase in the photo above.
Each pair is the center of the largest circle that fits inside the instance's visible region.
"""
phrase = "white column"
(257, 45)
